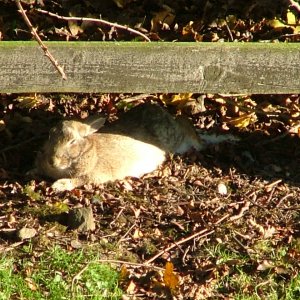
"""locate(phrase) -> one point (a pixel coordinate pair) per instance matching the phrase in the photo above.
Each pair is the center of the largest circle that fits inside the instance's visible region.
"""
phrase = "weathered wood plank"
(151, 67)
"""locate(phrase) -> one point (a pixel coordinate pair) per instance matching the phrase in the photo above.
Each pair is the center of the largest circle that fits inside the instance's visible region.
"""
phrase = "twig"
(273, 184)
(199, 234)
(42, 45)
(11, 247)
(229, 31)
(117, 217)
(121, 262)
(295, 5)
(241, 212)
(96, 21)
(284, 198)
(126, 233)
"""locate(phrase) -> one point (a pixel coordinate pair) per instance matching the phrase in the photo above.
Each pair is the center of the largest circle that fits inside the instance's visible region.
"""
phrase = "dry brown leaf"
(31, 284)
(131, 287)
(265, 265)
(136, 211)
(28, 101)
(137, 234)
(265, 232)
(162, 19)
(124, 274)
(243, 121)
(74, 27)
(177, 100)
(171, 280)
(2, 125)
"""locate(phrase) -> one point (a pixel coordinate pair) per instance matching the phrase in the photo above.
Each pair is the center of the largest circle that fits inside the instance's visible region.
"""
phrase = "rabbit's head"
(68, 141)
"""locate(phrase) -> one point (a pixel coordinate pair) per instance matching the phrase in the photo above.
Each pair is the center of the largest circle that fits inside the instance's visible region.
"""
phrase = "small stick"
(200, 234)
(132, 264)
(283, 198)
(295, 5)
(11, 247)
(97, 21)
(37, 38)
(229, 31)
(126, 233)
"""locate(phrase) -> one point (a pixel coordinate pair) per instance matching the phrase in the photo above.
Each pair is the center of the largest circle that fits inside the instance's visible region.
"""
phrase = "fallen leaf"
(291, 18)
(162, 19)
(131, 287)
(74, 28)
(2, 125)
(124, 274)
(28, 101)
(243, 121)
(31, 284)
(137, 234)
(265, 265)
(171, 280)
(177, 99)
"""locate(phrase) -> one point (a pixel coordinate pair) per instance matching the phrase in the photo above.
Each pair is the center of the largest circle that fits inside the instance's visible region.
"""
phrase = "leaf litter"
(210, 225)
(202, 218)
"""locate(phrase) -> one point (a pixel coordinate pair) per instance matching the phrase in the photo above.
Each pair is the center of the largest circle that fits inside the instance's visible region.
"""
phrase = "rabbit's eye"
(72, 142)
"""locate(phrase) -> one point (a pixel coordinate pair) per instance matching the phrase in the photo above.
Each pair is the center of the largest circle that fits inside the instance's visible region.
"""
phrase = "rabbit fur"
(81, 152)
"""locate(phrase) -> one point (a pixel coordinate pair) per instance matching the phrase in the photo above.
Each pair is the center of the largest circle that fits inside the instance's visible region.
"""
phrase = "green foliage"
(28, 190)
(57, 274)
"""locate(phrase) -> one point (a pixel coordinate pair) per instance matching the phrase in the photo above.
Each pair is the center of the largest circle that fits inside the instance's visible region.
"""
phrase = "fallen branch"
(199, 234)
(96, 21)
(37, 38)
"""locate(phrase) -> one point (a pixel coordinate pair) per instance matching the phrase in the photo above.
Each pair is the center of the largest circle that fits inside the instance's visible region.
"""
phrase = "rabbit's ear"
(94, 124)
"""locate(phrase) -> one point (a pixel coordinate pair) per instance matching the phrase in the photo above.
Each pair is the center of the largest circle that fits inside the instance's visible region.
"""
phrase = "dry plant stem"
(126, 234)
(96, 21)
(11, 247)
(283, 198)
(199, 234)
(42, 45)
(294, 4)
(132, 264)
(229, 32)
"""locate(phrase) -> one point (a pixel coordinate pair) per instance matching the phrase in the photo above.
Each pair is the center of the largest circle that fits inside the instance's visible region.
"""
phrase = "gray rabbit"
(81, 152)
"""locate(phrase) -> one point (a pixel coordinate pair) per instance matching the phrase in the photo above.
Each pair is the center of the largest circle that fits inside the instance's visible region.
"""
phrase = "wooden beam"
(248, 68)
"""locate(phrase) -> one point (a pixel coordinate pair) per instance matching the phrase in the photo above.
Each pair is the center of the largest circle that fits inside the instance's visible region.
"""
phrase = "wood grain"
(260, 68)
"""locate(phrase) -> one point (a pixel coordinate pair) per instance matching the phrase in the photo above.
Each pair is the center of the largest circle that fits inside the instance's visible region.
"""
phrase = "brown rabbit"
(80, 152)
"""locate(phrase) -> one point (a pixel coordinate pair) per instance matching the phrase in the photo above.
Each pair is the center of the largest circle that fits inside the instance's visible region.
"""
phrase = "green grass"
(238, 276)
(57, 274)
